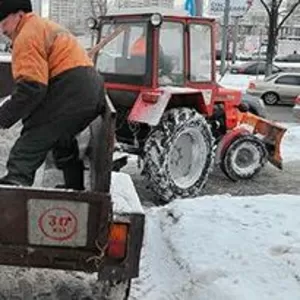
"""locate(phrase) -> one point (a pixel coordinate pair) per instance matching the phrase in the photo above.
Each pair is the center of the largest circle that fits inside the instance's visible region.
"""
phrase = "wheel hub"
(271, 98)
(246, 158)
(187, 158)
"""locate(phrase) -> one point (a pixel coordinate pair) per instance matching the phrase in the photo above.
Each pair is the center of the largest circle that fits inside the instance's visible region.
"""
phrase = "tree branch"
(279, 4)
(98, 7)
(266, 7)
(295, 5)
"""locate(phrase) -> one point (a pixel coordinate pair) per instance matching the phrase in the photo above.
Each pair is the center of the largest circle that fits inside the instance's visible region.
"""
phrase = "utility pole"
(199, 7)
(37, 5)
(224, 37)
(235, 38)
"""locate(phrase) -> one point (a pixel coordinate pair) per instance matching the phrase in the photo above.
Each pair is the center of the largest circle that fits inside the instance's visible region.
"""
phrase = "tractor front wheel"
(179, 154)
(244, 157)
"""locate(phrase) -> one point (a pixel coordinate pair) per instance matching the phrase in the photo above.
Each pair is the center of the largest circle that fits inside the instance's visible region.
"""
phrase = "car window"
(252, 69)
(288, 80)
(256, 68)
(261, 68)
(271, 77)
(275, 69)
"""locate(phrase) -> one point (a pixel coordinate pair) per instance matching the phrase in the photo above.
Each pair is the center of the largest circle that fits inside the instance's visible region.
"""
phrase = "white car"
(283, 87)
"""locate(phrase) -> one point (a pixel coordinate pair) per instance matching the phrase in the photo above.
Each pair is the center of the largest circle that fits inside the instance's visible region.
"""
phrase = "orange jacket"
(139, 47)
(54, 77)
(42, 49)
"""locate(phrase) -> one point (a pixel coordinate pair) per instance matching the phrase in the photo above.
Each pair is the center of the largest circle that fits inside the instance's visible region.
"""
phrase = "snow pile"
(7, 138)
(222, 247)
(23, 283)
(291, 143)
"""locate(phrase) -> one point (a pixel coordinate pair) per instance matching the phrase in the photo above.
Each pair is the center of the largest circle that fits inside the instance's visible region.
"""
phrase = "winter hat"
(8, 7)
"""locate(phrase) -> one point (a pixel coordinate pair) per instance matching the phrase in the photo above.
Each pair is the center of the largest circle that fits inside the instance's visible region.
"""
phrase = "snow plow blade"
(269, 132)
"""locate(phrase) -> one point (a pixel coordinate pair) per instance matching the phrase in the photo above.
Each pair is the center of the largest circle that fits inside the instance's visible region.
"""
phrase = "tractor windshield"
(123, 49)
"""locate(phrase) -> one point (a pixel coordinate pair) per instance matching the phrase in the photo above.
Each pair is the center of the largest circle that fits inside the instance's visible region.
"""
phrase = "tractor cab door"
(171, 53)
(201, 57)
(124, 49)
(122, 56)
(201, 60)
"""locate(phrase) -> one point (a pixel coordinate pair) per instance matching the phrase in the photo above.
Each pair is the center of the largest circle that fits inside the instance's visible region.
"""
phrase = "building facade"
(71, 14)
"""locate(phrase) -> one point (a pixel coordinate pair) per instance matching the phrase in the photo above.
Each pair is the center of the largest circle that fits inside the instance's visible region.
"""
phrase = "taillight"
(117, 240)
(252, 85)
(297, 100)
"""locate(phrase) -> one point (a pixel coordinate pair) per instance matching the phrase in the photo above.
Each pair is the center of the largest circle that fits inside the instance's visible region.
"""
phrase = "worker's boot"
(6, 180)
(73, 176)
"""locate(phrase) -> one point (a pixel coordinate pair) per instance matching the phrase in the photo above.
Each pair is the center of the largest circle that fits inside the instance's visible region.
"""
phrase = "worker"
(57, 94)
(138, 48)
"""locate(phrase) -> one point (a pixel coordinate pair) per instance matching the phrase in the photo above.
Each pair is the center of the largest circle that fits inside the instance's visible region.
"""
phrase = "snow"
(237, 81)
(222, 247)
(5, 57)
(124, 196)
(291, 143)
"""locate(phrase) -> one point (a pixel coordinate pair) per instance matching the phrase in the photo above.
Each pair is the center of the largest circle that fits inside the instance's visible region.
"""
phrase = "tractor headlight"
(156, 19)
(91, 23)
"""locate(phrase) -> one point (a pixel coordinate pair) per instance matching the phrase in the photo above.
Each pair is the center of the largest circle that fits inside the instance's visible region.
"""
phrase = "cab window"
(125, 51)
(171, 54)
(201, 53)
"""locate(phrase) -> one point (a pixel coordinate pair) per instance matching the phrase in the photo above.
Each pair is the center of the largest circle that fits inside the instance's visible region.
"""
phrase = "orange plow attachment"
(269, 132)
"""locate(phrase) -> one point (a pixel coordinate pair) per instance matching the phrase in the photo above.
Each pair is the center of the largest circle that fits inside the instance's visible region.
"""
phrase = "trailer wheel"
(179, 154)
(244, 157)
(113, 290)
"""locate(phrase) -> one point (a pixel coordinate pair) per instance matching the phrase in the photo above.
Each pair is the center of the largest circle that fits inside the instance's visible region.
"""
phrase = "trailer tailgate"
(39, 227)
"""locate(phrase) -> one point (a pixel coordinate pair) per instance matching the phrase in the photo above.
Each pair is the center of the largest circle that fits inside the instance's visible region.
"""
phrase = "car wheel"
(270, 98)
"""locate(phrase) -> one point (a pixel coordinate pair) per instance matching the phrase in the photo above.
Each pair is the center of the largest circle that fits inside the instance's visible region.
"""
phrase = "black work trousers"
(33, 145)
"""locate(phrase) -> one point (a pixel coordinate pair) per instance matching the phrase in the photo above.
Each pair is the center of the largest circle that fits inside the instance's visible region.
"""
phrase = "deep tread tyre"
(179, 155)
(244, 157)
(112, 290)
(270, 98)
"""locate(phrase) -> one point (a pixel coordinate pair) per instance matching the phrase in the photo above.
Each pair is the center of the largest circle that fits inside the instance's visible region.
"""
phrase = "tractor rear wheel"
(244, 157)
(179, 154)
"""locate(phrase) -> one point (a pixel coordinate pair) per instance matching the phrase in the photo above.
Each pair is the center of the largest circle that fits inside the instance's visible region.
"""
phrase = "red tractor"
(160, 75)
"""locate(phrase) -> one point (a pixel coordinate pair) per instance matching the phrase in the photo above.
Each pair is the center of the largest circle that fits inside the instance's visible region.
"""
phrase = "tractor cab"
(149, 51)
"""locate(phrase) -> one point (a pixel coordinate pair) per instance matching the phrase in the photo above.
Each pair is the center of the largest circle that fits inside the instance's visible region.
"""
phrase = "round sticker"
(58, 224)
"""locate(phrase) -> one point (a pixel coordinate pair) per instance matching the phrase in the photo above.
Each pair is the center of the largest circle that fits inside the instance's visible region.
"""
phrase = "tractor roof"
(139, 11)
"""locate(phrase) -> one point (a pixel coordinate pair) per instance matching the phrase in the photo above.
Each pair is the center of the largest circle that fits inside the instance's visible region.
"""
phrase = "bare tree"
(98, 7)
(274, 11)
